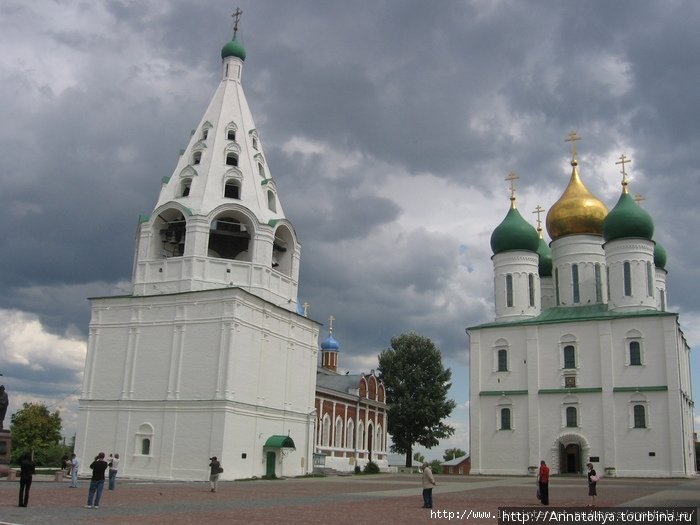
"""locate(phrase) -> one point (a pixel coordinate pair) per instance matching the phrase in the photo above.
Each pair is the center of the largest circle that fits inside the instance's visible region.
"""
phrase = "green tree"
(34, 429)
(416, 386)
(420, 458)
(452, 453)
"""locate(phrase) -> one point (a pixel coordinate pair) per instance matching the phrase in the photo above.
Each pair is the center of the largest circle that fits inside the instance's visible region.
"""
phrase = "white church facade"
(209, 355)
(583, 363)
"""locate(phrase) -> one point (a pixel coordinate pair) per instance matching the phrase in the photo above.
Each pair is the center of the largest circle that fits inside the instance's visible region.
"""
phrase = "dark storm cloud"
(98, 99)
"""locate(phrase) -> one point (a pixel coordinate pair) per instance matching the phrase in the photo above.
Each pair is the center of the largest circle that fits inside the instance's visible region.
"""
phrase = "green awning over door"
(280, 442)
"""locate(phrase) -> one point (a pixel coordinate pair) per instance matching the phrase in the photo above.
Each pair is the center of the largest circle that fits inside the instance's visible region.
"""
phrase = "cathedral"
(210, 354)
(583, 362)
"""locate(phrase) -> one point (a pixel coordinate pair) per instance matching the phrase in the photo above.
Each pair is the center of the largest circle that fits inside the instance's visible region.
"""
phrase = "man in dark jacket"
(97, 482)
(27, 469)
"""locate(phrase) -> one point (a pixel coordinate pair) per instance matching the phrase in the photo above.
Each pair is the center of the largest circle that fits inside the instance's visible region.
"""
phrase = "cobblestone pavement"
(382, 498)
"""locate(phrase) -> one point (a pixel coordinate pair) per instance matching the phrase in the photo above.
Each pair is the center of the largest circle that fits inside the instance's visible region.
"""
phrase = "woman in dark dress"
(27, 469)
(592, 480)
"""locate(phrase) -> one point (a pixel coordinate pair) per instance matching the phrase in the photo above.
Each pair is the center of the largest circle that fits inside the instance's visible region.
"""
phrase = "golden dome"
(577, 211)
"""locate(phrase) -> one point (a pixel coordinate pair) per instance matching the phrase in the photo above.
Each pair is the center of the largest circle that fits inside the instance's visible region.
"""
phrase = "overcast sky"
(389, 128)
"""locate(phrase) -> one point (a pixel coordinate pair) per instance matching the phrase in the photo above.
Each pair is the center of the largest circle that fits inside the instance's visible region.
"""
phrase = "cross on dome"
(512, 177)
(624, 160)
(538, 210)
(572, 137)
(236, 18)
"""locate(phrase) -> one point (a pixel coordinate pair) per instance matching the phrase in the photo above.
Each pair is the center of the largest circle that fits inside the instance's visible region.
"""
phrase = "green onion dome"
(659, 256)
(627, 220)
(545, 253)
(233, 49)
(514, 233)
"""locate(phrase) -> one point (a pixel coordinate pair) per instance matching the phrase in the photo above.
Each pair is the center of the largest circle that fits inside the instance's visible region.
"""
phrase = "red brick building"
(351, 415)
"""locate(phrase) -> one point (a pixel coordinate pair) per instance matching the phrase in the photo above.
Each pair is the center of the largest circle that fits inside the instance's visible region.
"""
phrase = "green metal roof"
(514, 233)
(280, 442)
(627, 220)
(565, 314)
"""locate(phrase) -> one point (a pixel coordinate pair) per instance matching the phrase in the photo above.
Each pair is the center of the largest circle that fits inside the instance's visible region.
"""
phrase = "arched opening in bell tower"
(282, 250)
(230, 237)
(170, 232)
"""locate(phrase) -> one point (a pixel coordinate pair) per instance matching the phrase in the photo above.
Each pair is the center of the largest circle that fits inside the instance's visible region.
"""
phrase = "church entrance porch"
(568, 453)
(570, 459)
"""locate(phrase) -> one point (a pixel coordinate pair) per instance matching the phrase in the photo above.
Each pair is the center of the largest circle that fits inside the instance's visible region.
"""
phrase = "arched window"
(196, 157)
(261, 170)
(569, 356)
(255, 142)
(326, 431)
(380, 439)
(627, 278)
(361, 436)
(231, 134)
(271, 200)
(232, 159)
(640, 420)
(556, 285)
(662, 297)
(205, 133)
(598, 284)
(185, 187)
(338, 433)
(505, 419)
(502, 360)
(650, 280)
(509, 290)
(574, 280)
(232, 189)
(635, 353)
(350, 434)
(144, 437)
(531, 288)
(571, 417)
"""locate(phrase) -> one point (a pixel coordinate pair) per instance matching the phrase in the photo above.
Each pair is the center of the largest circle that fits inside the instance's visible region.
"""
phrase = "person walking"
(74, 465)
(592, 481)
(543, 482)
(215, 470)
(428, 484)
(113, 467)
(27, 469)
(97, 481)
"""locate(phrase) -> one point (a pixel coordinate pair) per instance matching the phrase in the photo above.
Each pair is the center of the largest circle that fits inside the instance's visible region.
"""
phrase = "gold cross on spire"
(639, 198)
(572, 137)
(512, 177)
(236, 18)
(624, 160)
(538, 211)
(330, 325)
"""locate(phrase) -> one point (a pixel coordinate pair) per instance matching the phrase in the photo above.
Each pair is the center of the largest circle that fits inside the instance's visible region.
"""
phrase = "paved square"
(382, 498)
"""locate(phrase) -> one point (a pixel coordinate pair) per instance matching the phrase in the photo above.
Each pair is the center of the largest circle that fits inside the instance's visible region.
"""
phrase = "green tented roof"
(280, 442)
(565, 314)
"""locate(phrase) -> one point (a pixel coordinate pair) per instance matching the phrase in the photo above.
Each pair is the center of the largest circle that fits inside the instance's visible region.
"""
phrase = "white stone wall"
(607, 387)
(211, 373)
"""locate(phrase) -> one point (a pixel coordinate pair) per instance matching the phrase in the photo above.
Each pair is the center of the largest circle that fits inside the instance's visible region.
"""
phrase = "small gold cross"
(638, 198)
(330, 324)
(236, 18)
(305, 306)
(512, 177)
(538, 211)
(623, 160)
(572, 137)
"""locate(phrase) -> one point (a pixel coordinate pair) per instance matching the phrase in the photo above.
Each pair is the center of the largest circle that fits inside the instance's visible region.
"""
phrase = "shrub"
(371, 468)
(357, 469)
